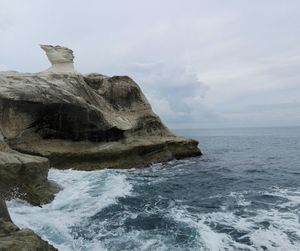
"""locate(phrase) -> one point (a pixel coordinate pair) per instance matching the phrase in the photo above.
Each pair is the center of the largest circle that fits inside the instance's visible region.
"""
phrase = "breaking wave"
(237, 197)
(97, 211)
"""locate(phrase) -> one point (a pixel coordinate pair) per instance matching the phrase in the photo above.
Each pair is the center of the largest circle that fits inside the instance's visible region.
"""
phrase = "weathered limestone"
(87, 122)
(60, 57)
(72, 121)
(75, 121)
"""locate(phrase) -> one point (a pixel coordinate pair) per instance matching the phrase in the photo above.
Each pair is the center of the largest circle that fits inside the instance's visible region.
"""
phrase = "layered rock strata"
(85, 122)
(75, 121)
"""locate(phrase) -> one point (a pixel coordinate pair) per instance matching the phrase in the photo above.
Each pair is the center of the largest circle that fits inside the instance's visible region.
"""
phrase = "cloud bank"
(201, 63)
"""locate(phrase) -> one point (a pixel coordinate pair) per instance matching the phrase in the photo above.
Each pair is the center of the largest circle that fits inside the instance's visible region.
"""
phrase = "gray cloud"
(176, 93)
(198, 61)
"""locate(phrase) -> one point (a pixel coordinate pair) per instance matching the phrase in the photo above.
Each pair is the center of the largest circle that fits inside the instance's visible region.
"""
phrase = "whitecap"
(83, 195)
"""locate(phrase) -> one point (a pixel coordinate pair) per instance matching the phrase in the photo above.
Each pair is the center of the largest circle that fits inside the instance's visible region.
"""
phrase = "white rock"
(61, 59)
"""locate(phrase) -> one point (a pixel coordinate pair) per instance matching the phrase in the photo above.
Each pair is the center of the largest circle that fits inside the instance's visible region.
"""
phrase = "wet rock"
(24, 176)
(14, 239)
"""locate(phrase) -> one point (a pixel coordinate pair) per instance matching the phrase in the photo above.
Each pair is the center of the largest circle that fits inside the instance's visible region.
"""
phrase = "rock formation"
(72, 120)
(24, 176)
(14, 239)
(84, 121)
(60, 57)
(80, 121)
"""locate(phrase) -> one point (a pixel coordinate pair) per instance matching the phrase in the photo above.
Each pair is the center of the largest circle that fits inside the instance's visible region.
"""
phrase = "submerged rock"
(14, 239)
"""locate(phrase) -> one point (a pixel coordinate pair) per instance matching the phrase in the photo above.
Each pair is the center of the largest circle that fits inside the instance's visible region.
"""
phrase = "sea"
(242, 194)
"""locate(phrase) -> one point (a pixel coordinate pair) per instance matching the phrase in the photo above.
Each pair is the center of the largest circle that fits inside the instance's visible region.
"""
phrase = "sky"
(201, 64)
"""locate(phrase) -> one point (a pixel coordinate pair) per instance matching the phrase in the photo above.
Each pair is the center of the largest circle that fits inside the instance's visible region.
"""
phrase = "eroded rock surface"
(24, 176)
(61, 58)
(76, 121)
(71, 120)
(85, 122)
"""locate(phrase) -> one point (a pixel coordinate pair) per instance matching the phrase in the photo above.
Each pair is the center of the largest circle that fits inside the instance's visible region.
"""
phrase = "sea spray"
(236, 197)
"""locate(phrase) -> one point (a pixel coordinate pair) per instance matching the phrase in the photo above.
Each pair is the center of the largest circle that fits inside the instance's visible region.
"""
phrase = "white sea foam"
(84, 194)
(275, 237)
(208, 239)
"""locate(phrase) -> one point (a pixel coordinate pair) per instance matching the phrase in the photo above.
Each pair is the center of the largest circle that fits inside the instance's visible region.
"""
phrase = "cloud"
(197, 61)
(266, 115)
(175, 92)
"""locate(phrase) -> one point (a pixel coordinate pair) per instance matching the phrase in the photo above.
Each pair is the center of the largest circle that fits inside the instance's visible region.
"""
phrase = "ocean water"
(242, 194)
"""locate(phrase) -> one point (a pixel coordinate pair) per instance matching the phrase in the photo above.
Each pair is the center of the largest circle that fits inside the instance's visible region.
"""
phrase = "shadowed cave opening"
(71, 122)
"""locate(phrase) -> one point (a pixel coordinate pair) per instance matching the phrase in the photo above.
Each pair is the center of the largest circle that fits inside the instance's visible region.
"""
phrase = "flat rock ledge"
(130, 153)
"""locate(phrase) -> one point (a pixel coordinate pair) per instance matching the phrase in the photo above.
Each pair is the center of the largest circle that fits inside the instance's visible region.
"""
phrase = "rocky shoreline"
(64, 119)
(13, 238)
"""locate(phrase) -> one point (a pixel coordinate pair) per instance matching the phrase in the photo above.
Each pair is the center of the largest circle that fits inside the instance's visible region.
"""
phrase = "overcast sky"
(209, 63)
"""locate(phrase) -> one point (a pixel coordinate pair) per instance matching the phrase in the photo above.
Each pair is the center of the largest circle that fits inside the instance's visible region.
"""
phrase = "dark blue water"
(242, 194)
